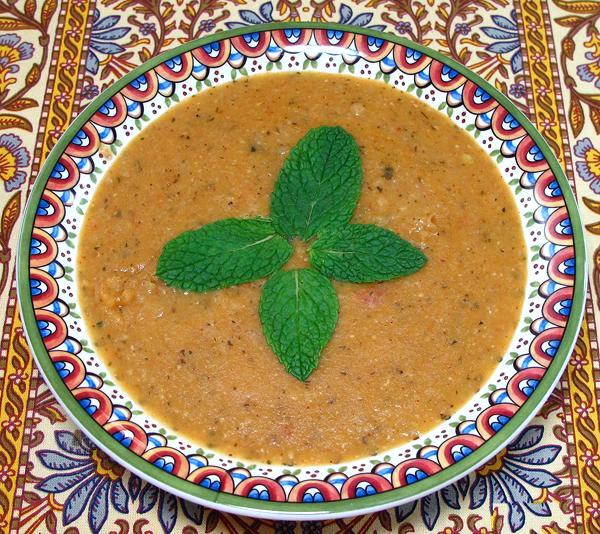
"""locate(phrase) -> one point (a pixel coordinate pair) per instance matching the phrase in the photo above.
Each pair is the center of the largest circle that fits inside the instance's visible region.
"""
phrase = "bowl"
(523, 379)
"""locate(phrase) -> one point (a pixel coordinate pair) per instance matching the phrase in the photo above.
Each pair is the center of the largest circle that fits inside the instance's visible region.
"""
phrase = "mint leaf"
(298, 310)
(222, 254)
(364, 253)
(319, 184)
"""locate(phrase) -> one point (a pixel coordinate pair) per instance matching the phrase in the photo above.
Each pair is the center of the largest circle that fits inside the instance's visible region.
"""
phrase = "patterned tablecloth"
(57, 56)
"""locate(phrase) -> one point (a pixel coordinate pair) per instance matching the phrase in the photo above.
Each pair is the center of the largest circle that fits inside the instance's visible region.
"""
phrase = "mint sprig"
(315, 196)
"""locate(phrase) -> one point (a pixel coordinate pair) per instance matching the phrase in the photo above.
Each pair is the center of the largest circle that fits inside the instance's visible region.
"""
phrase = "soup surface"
(405, 355)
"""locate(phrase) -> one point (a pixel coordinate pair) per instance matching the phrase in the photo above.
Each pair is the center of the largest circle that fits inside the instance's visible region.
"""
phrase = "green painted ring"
(297, 511)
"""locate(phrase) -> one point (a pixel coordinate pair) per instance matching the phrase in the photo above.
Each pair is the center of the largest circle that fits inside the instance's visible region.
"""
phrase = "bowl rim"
(284, 510)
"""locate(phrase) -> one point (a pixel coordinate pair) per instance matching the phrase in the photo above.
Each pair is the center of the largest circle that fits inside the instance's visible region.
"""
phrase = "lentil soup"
(405, 354)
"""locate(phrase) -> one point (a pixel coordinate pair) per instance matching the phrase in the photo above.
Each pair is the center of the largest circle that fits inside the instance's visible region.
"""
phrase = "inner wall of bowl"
(330, 62)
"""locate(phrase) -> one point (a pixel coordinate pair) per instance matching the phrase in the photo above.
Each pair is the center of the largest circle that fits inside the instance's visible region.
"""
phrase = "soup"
(405, 354)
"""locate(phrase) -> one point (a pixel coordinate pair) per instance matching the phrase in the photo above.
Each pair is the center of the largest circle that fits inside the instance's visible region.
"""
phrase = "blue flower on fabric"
(12, 51)
(505, 478)
(94, 482)
(91, 478)
(362, 20)
(429, 505)
(90, 91)
(589, 168)
(207, 25)
(506, 36)
(167, 504)
(14, 158)
(265, 14)
(518, 90)
(102, 40)
(590, 72)
(462, 28)
(148, 28)
(403, 27)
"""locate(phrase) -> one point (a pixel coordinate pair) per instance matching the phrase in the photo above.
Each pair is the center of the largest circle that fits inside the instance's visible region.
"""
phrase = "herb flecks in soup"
(315, 196)
(405, 354)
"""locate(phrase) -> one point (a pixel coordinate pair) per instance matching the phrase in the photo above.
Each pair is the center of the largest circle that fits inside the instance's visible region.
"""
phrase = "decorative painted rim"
(559, 261)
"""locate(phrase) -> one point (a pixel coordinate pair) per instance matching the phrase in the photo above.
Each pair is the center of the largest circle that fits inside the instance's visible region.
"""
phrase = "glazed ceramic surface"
(523, 379)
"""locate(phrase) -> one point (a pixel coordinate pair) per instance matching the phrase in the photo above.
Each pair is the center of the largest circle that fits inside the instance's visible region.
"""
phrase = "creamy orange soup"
(405, 355)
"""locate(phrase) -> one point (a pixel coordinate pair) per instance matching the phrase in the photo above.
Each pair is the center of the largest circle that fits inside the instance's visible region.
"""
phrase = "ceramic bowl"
(523, 379)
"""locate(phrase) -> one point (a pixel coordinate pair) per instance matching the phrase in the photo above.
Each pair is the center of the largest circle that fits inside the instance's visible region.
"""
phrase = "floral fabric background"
(55, 57)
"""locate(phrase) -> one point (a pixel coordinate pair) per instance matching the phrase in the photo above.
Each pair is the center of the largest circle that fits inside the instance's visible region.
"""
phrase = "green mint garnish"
(316, 194)
(298, 310)
(364, 253)
(222, 254)
(319, 184)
